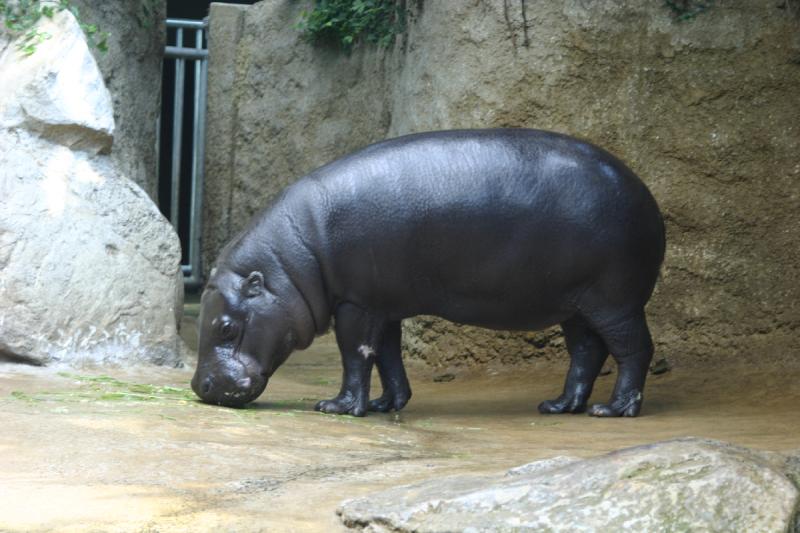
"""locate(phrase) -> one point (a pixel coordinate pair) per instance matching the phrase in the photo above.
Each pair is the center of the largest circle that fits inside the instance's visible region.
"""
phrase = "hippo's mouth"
(236, 399)
(224, 392)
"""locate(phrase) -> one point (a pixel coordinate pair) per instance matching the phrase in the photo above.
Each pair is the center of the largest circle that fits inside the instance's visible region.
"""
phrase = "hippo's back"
(504, 228)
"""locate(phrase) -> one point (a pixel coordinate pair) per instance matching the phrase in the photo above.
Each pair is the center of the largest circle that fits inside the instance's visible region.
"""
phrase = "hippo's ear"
(253, 285)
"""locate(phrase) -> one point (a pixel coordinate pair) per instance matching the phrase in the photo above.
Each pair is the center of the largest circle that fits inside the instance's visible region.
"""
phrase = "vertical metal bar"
(177, 134)
(198, 153)
(198, 53)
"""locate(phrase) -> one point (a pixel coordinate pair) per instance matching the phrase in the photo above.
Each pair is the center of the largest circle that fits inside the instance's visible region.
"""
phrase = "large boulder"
(89, 269)
(680, 485)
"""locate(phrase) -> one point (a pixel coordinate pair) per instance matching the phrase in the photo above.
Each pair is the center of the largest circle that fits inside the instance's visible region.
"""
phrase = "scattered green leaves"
(687, 9)
(108, 389)
(21, 17)
(21, 396)
(544, 423)
(347, 23)
(116, 395)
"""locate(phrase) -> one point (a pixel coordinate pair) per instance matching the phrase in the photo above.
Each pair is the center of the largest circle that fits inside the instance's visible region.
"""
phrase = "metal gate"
(182, 152)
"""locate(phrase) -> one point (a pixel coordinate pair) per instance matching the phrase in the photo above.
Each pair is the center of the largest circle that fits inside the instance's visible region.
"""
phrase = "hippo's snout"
(228, 391)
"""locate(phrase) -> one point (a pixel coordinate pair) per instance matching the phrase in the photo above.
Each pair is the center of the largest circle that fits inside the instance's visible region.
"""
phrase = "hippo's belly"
(501, 272)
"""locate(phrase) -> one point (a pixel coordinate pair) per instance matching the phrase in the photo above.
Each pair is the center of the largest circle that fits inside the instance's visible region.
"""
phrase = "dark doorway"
(192, 10)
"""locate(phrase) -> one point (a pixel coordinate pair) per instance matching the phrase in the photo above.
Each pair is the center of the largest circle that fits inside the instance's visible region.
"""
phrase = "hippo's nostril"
(244, 383)
(206, 386)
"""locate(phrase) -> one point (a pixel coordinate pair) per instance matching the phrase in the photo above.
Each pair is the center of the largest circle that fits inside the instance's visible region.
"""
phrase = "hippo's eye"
(227, 330)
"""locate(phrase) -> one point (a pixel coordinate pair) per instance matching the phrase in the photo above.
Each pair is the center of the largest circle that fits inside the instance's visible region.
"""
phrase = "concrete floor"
(133, 451)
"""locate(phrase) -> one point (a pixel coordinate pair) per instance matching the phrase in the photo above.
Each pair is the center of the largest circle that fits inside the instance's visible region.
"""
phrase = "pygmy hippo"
(510, 229)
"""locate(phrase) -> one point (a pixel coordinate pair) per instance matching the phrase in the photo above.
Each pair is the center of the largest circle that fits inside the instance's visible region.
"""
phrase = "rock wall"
(278, 108)
(132, 72)
(707, 112)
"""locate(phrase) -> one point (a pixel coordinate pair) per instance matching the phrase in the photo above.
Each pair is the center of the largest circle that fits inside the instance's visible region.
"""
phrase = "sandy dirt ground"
(105, 450)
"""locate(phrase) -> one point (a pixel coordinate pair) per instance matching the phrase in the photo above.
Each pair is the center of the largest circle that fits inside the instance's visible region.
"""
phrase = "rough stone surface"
(224, 34)
(89, 269)
(132, 73)
(541, 466)
(56, 93)
(681, 485)
(448, 346)
(705, 111)
(321, 104)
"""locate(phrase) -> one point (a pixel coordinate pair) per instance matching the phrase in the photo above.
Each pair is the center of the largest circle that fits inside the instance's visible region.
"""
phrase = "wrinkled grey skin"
(507, 229)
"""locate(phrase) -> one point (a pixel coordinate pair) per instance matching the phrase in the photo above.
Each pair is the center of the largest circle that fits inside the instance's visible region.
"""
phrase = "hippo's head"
(245, 335)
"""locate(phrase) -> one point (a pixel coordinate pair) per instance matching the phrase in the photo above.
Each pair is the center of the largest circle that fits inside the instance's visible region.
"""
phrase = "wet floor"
(133, 451)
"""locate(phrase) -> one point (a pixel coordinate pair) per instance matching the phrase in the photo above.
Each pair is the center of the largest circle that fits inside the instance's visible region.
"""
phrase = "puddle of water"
(133, 450)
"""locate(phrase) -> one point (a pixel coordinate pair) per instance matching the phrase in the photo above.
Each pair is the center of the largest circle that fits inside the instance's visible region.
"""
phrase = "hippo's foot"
(628, 404)
(343, 404)
(390, 401)
(566, 403)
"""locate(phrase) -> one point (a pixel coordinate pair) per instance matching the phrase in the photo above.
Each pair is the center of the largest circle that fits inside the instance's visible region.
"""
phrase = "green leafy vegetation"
(109, 394)
(21, 17)
(687, 9)
(106, 388)
(346, 23)
(148, 13)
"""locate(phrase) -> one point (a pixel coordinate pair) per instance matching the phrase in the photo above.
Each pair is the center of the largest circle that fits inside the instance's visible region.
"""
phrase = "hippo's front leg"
(396, 390)
(357, 334)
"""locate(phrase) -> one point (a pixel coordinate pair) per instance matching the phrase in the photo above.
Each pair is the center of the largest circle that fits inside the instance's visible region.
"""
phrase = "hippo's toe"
(343, 404)
(390, 401)
(624, 405)
(563, 404)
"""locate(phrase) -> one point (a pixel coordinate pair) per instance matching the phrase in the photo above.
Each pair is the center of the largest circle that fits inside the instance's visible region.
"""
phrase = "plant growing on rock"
(349, 22)
(687, 9)
(20, 17)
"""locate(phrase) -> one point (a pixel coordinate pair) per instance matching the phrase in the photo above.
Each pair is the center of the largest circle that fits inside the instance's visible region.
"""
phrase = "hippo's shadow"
(302, 404)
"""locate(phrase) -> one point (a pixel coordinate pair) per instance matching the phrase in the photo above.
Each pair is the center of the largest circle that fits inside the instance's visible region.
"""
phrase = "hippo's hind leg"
(396, 390)
(587, 353)
(357, 334)
(628, 339)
